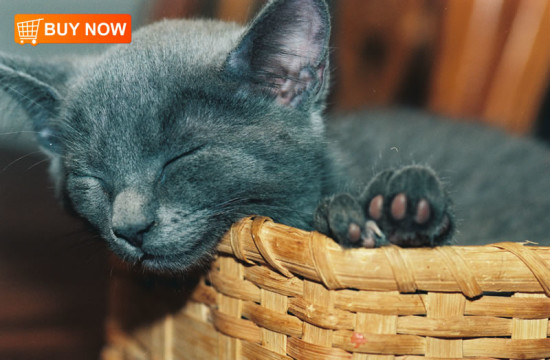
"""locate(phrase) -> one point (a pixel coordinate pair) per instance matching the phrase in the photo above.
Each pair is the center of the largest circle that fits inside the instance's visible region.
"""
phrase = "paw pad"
(376, 207)
(399, 206)
(398, 209)
(354, 233)
(423, 212)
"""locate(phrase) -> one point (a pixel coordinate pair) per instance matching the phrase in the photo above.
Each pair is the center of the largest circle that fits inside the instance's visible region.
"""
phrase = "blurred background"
(473, 60)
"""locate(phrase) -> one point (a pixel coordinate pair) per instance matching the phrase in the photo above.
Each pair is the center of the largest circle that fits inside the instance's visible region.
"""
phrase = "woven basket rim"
(471, 270)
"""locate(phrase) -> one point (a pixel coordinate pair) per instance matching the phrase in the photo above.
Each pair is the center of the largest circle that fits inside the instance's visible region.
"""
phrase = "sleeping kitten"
(162, 144)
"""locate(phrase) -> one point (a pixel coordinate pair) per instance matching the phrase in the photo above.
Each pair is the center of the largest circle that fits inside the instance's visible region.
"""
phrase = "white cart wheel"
(34, 41)
(22, 42)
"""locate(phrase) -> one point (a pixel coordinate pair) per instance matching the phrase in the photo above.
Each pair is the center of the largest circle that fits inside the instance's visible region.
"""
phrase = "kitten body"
(163, 143)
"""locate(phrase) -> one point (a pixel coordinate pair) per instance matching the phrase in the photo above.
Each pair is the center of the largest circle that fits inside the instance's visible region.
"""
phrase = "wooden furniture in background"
(484, 59)
(493, 61)
(170, 9)
(376, 45)
(239, 11)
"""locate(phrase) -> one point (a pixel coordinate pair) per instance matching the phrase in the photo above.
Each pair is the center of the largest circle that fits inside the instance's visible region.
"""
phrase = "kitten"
(162, 144)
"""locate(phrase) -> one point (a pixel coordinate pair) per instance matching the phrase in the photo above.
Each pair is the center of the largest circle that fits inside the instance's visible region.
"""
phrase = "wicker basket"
(277, 292)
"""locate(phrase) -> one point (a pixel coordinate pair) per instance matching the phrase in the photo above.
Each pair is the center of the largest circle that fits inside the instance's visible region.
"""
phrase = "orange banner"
(72, 28)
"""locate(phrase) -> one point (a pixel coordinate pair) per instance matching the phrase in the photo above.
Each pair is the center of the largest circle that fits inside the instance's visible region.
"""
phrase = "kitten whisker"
(19, 159)
(19, 132)
(37, 163)
(262, 208)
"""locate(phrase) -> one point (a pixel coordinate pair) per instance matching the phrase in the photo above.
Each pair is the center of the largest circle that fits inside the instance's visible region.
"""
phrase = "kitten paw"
(410, 206)
(343, 218)
(406, 207)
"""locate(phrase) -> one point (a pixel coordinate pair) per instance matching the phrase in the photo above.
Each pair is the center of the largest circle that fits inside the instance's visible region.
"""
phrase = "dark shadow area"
(542, 128)
(53, 272)
(140, 299)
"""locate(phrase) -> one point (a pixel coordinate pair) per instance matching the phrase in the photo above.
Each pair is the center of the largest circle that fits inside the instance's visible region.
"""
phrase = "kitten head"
(162, 144)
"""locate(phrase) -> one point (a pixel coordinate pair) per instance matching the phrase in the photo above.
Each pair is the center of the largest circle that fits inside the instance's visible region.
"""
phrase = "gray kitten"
(162, 144)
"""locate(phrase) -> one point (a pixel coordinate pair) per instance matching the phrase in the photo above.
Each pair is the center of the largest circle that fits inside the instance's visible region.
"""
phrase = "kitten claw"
(373, 235)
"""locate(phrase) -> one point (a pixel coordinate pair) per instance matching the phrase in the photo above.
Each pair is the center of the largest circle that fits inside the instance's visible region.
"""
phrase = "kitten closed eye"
(167, 164)
(90, 180)
(183, 155)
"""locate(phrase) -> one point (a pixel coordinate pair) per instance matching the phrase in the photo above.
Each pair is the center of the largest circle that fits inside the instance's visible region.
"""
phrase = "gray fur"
(162, 144)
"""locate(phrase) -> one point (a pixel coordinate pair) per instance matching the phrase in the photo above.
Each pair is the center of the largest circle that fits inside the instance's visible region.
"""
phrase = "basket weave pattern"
(276, 292)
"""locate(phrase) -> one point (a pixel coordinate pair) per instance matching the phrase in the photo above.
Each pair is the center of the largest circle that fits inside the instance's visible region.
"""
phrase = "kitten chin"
(177, 265)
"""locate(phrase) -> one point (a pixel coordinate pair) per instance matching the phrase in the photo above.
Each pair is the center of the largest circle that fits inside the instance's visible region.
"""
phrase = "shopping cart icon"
(28, 30)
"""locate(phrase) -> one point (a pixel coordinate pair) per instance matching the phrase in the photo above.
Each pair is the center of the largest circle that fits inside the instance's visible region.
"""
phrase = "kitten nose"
(133, 233)
(131, 219)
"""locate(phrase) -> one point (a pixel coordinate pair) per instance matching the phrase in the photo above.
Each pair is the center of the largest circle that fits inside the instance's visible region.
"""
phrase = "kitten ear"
(284, 52)
(35, 86)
